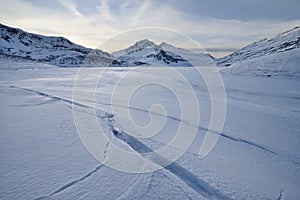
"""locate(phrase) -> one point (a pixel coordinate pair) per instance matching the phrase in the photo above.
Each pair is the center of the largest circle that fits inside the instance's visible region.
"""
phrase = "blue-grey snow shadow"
(199, 185)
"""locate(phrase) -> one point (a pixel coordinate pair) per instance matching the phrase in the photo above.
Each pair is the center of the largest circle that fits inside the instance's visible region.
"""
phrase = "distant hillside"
(146, 52)
(280, 43)
(51, 50)
(275, 57)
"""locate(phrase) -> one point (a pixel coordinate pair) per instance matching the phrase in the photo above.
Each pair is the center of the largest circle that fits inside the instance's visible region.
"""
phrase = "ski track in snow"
(197, 184)
(127, 193)
(48, 101)
(281, 197)
(226, 136)
(70, 184)
(148, 186)
(184, 192)
(51, 96)
(248, 142)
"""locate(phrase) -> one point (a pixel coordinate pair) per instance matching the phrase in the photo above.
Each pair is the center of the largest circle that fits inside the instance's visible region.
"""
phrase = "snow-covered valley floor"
(42, 157)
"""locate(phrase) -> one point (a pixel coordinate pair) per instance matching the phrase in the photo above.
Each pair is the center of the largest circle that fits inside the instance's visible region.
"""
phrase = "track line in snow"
(249, 143)
(185, 194)
(224, 135)
(148, 185)
(127, 192)
(197, 184)
(51, 96)
(190, 179)
(50, 100)
(281, 195)
(70, 184)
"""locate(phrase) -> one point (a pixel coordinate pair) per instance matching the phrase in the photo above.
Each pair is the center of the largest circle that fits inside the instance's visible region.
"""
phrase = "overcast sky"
(213, 23)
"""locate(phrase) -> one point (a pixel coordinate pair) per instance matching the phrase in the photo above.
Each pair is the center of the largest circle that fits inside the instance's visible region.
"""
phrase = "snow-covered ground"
(42, 157)
(283, 65)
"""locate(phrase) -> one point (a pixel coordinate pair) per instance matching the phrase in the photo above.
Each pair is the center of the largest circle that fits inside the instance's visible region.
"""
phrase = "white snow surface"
(42, 157)
(282, 42)
(274, 57)
(284, 64)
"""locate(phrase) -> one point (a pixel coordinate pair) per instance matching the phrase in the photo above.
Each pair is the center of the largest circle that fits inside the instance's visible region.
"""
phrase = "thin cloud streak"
(71, 6)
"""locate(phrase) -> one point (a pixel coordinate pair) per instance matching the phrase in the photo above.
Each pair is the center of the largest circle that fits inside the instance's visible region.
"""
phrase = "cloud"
(71, 7)
(92, 22)
(243, 10)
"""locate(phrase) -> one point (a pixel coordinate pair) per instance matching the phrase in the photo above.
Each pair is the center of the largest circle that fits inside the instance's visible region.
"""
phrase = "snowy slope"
(42, 157)
(275, 57)
(51, 50)
(146, 52)
(284, 64)
(282, 42)
(8, 62)
(196, 59)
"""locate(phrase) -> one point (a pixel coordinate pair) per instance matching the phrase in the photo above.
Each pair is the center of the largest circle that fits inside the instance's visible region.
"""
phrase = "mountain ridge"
(147, 52)
(46, 49)
(60, 51)
(281, 42)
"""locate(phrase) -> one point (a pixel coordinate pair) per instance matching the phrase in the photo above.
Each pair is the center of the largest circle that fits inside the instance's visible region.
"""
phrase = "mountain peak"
(144, 43)
(164, 44)
(146, 52)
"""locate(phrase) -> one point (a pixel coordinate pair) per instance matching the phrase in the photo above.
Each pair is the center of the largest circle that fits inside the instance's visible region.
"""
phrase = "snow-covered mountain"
(51, 50)
(282, 42)
(60, 51)
(275, 57)
(264, 56)
(146, 52)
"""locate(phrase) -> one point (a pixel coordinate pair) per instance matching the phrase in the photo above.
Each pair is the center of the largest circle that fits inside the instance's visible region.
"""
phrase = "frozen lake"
(42, 157)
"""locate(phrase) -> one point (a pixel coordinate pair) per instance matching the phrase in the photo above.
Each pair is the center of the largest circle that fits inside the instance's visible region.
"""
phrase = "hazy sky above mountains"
(213, 23)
